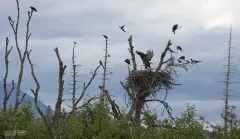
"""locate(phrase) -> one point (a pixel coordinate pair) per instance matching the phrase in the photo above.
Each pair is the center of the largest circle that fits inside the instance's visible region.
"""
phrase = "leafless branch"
(132, 53)
(163, 56)
(6, 93)
(60, 87)
(85, 87)
(166, 106)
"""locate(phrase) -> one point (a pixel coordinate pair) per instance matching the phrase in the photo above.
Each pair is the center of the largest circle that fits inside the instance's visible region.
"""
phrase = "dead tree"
(105, 94)
(75, 100)
(54, 122)
(142, 85)
(6, 93)
(227, 83)
(22, 58)
(105, 70)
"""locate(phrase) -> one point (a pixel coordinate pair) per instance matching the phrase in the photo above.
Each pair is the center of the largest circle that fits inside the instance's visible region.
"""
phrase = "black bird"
(10, 20)
(100, 62)
(197, 61)
(100, 87)
(122, 28)
(192, 60)
(179, 48)
(171, 51)
(175, 27)
(182, 57)
(33, 9)
(127, 61)
(75, 43)
(179, 61)
(187, 62)
(106, 37)
(109, 55)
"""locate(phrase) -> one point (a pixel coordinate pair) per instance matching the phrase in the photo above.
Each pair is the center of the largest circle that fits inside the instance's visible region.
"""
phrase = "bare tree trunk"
(227, 87)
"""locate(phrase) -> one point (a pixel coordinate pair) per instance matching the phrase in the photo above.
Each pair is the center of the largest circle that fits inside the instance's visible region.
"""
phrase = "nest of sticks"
(148, 82)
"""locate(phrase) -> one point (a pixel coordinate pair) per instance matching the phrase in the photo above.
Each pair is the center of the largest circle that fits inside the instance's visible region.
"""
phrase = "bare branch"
(22, 98)
(166, 106)
(6, 94)
(35, 92)
(127, 89)
(132, 53)
(60, 87)
(85, 87)
(88, 102)
(163, 56)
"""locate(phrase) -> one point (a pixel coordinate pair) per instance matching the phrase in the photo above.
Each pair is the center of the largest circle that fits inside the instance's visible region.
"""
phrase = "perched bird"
(10, 20)
(33, 9)
(179, 48)
(145, 58)
(100, 87)
(197, 61)
(100, 62)
(192, 61)
(171, 51)
(175, 27)
(182, 57)
(122, 28)
(127, 61)
(109, 55)
(106, 37)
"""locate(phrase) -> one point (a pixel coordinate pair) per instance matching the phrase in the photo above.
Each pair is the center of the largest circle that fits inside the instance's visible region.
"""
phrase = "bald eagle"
(146, 58)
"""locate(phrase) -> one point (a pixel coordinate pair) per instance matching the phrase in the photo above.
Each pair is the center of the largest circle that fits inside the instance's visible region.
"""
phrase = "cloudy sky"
(205, 27)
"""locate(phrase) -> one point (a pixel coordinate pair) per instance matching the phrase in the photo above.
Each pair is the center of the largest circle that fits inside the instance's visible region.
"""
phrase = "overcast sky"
(205, 27)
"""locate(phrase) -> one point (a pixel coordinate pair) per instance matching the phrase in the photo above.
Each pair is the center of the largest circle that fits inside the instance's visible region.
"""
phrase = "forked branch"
(163, 56)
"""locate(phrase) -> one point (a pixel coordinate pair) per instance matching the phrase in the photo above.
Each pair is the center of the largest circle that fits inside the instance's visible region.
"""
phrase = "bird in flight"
(122, 28)
(33, 9)
(105, 36)
(127, 61)
(179, 48)
(175, 27)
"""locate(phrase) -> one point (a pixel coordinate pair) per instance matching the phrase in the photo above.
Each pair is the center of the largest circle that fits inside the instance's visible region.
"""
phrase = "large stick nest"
(148, 82)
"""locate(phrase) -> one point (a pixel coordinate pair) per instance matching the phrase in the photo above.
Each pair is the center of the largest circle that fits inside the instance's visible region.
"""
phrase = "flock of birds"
(146, 57)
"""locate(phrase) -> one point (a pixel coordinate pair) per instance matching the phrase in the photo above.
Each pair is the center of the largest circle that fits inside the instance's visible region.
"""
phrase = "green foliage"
(96, 122)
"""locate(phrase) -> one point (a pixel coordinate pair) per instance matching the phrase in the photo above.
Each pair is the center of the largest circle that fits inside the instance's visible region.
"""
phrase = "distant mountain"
(12, 98)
